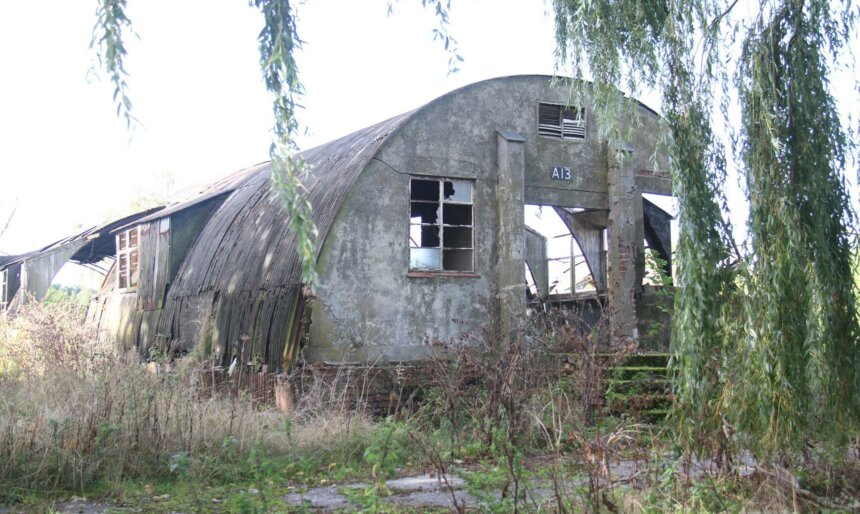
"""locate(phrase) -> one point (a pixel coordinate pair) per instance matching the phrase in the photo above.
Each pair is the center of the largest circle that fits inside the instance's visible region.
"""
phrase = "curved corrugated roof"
(247, 243)
(240, 280)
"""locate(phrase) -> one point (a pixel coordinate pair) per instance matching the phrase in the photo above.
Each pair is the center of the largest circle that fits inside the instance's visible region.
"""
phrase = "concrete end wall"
(368, 308)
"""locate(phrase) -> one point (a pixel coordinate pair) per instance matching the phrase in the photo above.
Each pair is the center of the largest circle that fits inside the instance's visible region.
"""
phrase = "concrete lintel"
(566, 198)
(511, 136)
(653, 184)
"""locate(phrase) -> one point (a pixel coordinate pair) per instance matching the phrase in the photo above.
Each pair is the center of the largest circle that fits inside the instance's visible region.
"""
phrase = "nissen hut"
(422, 221)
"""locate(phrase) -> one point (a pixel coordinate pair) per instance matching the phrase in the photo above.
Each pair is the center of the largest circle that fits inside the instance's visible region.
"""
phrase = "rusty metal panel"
(154, 258)
(117, 320)
(658, 232)
(38, 270)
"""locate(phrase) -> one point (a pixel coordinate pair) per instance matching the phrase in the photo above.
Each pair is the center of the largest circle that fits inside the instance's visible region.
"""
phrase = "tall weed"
(75, 413)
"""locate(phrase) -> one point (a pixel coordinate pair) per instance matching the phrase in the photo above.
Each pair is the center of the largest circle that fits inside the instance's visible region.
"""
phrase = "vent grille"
(560, 122)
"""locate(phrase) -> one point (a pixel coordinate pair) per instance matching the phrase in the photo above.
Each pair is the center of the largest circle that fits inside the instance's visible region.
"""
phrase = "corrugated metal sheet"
(238, 291)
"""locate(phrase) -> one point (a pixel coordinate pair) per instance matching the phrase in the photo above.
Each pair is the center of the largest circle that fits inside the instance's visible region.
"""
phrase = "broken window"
(4, 289)
(560, 122)
(127, 260)
(441, 225)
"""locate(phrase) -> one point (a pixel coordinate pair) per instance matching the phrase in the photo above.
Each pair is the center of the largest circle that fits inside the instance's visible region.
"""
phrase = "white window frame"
(128, 258)
(442, 248)
(4, 289)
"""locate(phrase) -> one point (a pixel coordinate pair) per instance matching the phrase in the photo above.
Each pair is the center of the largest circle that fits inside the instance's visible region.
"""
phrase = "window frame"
(441, 202)
(128, 252)
(4, 289)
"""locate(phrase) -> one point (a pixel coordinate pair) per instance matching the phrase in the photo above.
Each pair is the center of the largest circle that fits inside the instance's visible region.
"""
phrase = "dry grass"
(74, 413)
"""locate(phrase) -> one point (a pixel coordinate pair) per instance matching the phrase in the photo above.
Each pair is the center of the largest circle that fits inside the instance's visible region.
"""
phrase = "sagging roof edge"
(89, 235)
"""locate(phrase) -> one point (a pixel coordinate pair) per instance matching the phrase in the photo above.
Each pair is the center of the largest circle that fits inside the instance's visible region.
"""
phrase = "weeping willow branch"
(442, 8)
(107, 40)
(277, 42)
(616, 42)
(803, 332)
(769, 342)
(697, 166)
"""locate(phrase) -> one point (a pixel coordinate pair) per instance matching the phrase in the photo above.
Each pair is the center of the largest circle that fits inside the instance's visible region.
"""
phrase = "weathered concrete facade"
(421, 230)
(371, 308)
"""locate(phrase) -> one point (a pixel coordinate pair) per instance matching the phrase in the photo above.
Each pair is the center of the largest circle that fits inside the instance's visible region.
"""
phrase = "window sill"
(434, 274)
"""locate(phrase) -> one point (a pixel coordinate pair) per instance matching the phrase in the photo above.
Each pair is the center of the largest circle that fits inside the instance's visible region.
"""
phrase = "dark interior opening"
(427, 190)
(453, 214)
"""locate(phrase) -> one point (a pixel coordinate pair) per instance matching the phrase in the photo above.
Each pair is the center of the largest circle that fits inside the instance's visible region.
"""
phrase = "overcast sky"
(66, 160)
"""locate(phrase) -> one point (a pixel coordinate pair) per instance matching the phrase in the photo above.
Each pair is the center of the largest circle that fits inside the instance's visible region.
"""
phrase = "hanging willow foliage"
(803, 333)
(278, 40)
(697, 168)
(766, 341)
(107, 40)
(628, 44)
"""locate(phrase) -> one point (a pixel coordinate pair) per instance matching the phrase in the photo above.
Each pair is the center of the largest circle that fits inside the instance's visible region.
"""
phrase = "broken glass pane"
(132, 261)
(454, 214)
(423, 236)
(457, 260)
(458, 237)
(133, 268)
(122, 270)
(424, 258)
(424, 213)
(458, 191)
(425, 190)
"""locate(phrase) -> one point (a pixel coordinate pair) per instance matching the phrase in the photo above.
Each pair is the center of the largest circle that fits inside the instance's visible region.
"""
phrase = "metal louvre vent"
(558, 121)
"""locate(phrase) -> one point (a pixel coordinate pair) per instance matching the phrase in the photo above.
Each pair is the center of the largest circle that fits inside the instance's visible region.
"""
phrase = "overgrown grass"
(520, 417)
(77, 416)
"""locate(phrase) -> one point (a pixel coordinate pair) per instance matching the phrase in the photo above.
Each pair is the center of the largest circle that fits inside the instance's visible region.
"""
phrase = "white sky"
(66, 160)
(196, 87)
